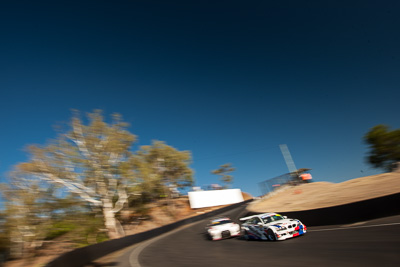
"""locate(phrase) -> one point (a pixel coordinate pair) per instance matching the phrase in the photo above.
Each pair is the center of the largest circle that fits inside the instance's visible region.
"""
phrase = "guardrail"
(82, 256)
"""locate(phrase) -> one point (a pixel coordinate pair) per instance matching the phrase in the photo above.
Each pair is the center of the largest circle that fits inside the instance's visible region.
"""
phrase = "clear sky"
(228, 80)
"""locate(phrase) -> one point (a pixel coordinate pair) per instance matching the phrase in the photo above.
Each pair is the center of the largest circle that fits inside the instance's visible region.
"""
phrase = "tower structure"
(288, 158)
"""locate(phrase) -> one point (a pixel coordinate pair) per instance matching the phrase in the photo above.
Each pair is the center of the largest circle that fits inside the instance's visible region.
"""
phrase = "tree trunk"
(114, 228)
(109, 219)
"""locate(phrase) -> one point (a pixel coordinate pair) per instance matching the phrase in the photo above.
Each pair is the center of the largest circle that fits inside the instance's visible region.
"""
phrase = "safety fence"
(292, 178)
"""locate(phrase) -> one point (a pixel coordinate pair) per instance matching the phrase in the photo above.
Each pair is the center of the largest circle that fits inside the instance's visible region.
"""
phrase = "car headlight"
(282, 228)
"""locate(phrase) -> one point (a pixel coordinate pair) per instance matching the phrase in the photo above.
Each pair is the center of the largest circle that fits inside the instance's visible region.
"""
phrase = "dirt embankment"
(325, 194)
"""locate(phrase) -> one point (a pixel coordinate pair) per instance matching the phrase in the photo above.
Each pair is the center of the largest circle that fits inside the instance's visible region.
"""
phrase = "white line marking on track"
(133, 257)
(354, 224)
(353, 227)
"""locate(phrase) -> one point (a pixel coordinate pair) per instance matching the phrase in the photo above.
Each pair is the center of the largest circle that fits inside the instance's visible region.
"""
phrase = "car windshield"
(272, 218)
(219, 222)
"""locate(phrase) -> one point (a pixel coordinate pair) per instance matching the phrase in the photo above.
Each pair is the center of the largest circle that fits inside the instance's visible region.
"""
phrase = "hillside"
(325, 194)
(158, 216)
(303, 197)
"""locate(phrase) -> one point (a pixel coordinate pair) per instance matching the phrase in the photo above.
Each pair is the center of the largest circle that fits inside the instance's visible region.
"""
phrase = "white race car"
(222, 227)
(271, 226)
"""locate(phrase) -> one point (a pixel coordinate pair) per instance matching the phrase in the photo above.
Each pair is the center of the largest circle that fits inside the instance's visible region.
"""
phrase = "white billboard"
(211, 198)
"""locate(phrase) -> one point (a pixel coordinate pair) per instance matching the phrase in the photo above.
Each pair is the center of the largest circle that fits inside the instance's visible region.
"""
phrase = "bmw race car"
(222, 227)
(271, 226)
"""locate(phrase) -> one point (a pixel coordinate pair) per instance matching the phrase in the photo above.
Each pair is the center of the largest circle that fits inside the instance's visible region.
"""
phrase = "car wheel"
(226, 234)
(245, 235)
(271, 235)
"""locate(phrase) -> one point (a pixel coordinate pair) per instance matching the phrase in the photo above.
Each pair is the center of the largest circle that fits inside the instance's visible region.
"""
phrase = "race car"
(222, 227)
(271, 226)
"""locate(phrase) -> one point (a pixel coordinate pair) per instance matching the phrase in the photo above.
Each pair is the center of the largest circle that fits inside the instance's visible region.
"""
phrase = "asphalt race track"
(372, 243)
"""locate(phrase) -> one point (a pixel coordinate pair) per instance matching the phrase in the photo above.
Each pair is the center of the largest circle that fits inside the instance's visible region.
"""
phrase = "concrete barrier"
(82, 256)
(212, 198)
(349, 213)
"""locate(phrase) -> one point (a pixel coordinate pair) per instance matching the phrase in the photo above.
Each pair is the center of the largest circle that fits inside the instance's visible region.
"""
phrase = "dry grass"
(324, 194)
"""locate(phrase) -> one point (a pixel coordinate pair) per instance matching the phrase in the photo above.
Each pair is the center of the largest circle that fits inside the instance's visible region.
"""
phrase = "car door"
(256, 227)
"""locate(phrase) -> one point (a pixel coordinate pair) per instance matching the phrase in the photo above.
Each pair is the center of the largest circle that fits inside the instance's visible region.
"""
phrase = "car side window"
(252, 221)
(267, 220)
(256, 220)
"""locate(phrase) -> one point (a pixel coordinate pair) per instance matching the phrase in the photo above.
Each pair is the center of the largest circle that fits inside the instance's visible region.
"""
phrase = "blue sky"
(228, 80)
